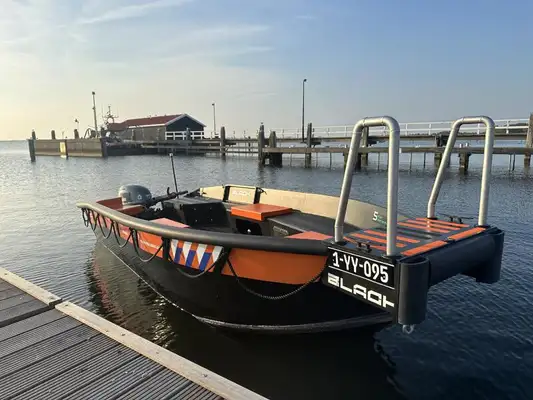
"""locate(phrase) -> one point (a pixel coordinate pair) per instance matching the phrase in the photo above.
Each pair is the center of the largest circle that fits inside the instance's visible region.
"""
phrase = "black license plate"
(366, 278)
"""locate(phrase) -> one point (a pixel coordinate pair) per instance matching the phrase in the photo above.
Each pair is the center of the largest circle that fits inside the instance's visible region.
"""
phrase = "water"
(475, 343)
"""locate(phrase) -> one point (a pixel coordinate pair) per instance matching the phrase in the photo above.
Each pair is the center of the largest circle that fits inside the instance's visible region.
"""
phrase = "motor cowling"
(134, 195)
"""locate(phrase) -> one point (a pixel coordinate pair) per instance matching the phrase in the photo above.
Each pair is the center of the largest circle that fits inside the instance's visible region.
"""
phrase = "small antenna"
(174, 171)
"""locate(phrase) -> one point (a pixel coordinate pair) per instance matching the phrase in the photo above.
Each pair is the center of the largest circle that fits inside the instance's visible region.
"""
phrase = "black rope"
(116, 233)
(95, 220)
(202, 273)
(85, 216)
(102, 229)
(266, 297)
(136, 247)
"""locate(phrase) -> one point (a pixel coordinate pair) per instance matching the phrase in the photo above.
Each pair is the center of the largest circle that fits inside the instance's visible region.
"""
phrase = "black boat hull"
(220, 300)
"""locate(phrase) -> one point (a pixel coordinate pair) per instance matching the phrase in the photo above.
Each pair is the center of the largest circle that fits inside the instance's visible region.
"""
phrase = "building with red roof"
(158, 127)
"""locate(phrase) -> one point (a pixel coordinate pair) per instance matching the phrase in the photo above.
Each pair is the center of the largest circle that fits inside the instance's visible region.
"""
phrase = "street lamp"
(94, 114)
(214, 120)
(303, 109)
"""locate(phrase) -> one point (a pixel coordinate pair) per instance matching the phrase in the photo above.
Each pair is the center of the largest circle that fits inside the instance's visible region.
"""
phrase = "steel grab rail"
(231, 240)
(487, 166)
(392, 186)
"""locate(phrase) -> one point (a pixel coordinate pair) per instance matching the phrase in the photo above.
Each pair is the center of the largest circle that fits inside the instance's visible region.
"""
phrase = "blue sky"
(414, 60)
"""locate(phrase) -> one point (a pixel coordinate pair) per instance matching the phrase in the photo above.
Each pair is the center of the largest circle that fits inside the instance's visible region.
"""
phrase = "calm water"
(477, 341)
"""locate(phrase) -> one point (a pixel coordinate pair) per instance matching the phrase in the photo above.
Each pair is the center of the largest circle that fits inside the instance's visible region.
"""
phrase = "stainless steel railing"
(487, 165)
(392, 186)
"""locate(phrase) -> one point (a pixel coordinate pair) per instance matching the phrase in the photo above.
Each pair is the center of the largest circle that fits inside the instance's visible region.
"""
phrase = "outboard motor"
(135, 195)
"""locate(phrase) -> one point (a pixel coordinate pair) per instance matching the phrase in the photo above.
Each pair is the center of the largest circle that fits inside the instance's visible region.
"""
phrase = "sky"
(414, 60)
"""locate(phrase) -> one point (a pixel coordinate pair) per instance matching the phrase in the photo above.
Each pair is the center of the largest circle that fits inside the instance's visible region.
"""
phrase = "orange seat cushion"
(259, 212)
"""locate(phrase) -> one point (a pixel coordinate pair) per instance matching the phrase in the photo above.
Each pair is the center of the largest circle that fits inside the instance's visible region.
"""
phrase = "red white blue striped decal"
(194, 255)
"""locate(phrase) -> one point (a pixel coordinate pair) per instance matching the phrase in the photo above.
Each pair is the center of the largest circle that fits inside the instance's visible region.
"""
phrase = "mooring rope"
(266, 297)
(85, 216)
(116, 233)
(102, 229)
(136, 248)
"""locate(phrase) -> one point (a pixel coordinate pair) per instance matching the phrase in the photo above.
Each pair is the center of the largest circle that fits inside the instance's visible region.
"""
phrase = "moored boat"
(279, 261)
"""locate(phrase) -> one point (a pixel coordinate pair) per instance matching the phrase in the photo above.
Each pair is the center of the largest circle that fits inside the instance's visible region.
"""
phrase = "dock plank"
(20, 382)
(29, 355)
(161, 385)
(55, 349)
(37, 335)
(120, 381)
(72, 379)
(15, 301)
(180, 365)
(10, 292)
(29, 324)
(33, 290)
(21, 311)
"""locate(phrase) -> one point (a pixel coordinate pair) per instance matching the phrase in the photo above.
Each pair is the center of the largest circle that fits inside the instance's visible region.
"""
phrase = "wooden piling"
(261, 144)
(308, 143)
(463, 162)
(223, 143)
(364, 143)
(276, 159)
(440, 141)
(63, 149)
(529, 141)
(103, 146)
(53, 134)
(31, 147)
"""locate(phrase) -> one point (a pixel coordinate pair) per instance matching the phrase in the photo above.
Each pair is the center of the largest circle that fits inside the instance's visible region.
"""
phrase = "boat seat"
(259, 212)
(297, 222)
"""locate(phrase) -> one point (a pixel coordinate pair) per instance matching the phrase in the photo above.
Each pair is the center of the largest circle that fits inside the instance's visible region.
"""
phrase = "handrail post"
(392, 190)
(487, 166)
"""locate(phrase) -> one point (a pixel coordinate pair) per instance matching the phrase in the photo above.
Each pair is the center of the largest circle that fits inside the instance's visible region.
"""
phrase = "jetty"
(50, 348)
(270, 148)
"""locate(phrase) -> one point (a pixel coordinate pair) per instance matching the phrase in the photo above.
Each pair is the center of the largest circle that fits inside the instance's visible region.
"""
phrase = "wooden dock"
(51, 349)
(271, 148)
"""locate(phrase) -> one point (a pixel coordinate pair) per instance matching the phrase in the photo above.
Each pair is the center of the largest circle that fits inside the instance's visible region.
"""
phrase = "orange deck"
(416, 236)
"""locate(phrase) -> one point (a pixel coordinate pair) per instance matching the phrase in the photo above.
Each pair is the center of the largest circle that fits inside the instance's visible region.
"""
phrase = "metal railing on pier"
(503, 126)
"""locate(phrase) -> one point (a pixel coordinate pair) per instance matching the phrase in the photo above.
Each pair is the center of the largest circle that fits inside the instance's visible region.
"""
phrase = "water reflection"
(334, 365)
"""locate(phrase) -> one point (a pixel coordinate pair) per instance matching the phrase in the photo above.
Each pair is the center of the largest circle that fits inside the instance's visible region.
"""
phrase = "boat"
(276, 261)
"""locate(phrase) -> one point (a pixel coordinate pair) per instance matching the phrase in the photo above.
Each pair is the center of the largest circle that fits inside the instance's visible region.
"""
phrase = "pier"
(270, 148)
(50, 348)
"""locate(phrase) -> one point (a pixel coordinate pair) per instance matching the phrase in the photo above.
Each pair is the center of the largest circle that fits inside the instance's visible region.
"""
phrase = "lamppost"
(214, 120)
(94, 114)
(303, 109)
(77, 124)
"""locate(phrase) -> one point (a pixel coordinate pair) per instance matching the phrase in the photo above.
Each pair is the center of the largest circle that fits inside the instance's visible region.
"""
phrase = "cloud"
(132, 11)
